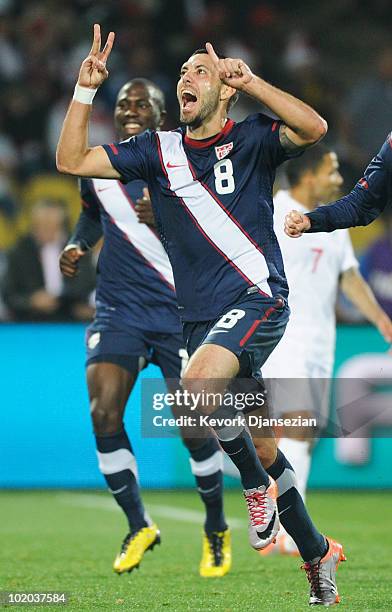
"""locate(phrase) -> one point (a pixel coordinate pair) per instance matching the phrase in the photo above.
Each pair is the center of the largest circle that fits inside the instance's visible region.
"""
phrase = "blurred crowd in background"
(335, 55)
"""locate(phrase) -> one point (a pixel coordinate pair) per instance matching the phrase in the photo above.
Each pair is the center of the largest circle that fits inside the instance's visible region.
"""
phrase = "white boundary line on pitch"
(99, 502)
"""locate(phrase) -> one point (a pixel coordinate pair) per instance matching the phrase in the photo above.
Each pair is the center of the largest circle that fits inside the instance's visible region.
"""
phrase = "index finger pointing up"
(97, 40)
(211, 53)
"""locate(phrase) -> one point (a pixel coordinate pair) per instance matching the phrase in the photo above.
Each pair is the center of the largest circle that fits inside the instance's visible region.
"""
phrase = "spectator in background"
(8, 202)
(8, 205)
(8, 161)
(367, 116)
(34, 289)
(376, 264)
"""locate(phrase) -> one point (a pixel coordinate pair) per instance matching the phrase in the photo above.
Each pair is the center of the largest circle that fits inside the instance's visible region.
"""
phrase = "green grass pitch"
(66, 541)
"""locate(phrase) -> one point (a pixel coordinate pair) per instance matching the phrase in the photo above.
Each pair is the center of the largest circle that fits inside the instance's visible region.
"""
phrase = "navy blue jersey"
(135, 285)
(365, 202)
(213, 201)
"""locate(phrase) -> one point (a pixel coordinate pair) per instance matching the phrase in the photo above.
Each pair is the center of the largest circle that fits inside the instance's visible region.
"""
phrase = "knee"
(194, 377)
(106, 414)
(195, 391)
(203, 392)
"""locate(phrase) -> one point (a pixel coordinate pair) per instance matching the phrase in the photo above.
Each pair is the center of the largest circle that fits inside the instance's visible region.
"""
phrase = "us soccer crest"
(223, 150)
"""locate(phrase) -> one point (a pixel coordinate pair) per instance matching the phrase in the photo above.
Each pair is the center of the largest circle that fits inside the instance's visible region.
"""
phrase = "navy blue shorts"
(250, 329)
(133, 349)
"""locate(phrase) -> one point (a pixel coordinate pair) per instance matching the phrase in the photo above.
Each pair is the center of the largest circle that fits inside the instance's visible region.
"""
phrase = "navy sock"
(118, 466)
(292, 511)
(243, 454)
(206, 464)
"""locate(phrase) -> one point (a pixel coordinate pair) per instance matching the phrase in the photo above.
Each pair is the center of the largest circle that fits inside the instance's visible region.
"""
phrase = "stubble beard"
(206, 111)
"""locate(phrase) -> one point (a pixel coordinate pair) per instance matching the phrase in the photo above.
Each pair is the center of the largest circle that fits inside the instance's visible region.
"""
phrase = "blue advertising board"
(46, 437)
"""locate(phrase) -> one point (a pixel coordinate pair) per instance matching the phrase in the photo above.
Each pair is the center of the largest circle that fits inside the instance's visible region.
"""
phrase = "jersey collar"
(207, 142)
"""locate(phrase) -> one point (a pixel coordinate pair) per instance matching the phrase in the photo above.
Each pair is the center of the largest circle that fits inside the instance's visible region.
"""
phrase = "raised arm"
(302, 126)
(73, 155)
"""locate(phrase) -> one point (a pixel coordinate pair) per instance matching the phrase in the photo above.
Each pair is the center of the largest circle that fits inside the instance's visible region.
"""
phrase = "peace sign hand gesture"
(232, 72)
(93, 70)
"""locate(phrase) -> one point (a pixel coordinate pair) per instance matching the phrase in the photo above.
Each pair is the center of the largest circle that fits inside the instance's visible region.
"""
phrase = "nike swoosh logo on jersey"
(170, 165)
(267, 532)
(103, 188)
(219, 331)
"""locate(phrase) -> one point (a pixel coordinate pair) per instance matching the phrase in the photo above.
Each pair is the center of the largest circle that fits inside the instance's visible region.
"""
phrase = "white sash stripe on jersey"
(213, 220)
(116, 204)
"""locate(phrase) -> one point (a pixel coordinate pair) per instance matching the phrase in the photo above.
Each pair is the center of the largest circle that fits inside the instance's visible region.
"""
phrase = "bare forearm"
(73, 143)
(297, 115)
(73, 155)
(360, 294)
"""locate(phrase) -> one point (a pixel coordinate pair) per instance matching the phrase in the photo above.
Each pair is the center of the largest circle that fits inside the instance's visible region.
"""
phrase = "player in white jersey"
(298, 371)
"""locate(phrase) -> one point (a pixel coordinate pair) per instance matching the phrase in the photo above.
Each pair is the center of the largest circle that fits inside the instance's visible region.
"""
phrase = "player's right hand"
(296, 224)
(384, 326)
(69, 260)
(93, 70)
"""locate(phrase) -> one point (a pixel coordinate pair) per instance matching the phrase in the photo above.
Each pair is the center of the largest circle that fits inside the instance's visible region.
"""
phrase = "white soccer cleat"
(263, 515)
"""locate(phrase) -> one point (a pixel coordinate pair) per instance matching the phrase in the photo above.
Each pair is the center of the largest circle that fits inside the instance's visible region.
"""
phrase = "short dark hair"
(235, 96)
(203, 50)
(309, 160)
(155, 91)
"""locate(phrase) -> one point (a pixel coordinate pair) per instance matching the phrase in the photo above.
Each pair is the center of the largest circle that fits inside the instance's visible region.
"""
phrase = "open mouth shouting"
(188, 101)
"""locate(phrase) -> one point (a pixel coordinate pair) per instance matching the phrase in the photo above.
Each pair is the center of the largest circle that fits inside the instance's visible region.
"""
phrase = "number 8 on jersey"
(224, 179)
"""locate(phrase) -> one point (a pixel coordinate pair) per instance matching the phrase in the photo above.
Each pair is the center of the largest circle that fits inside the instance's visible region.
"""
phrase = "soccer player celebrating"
(211, 187)
(137, 322)
(298, 371)
(360, 207)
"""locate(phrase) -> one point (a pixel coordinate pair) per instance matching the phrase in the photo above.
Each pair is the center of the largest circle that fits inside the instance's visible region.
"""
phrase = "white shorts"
(294, 384)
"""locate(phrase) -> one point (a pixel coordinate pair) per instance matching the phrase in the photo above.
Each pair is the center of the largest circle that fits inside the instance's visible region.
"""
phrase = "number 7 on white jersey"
(317, 256)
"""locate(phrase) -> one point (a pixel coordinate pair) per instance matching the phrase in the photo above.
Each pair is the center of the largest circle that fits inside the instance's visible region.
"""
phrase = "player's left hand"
(144, 210)
(384, 326)
(232, 72)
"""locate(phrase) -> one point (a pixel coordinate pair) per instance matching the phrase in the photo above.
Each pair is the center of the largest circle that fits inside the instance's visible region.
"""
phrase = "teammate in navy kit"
(360, 207)
(137, 323)
(211, 187)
